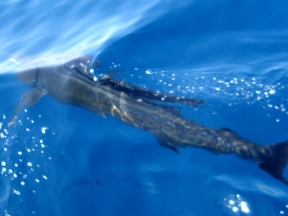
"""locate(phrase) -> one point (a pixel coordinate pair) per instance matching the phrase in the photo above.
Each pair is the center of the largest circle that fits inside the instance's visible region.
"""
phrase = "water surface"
(62, 160)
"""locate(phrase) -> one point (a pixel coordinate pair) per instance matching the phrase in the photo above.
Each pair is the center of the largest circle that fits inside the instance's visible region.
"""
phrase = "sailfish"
(74, 83)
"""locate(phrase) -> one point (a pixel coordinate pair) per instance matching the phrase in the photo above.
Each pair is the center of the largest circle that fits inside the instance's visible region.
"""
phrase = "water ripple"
(44, 33)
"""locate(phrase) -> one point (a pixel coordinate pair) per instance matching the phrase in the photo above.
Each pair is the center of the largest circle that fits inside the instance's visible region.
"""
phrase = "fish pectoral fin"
(30, 98)
(227, 132)
(173, 148)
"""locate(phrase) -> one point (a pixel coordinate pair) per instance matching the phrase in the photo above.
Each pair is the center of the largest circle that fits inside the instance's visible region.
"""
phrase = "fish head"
(82, 64)
(28, 77)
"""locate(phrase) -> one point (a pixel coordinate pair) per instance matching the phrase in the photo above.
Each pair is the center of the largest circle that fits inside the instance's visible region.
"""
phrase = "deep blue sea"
(63, 160)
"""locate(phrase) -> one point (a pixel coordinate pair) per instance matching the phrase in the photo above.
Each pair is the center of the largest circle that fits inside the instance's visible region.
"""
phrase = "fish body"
(71, 83)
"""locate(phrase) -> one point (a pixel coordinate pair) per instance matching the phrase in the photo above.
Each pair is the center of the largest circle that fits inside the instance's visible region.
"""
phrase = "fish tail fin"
(274, 160)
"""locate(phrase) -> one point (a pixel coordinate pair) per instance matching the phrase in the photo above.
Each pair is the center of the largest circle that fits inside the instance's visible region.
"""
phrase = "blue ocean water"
(62, 160)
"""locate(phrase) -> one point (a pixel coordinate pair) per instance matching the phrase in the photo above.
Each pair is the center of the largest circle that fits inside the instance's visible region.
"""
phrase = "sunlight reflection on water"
(59, 31)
